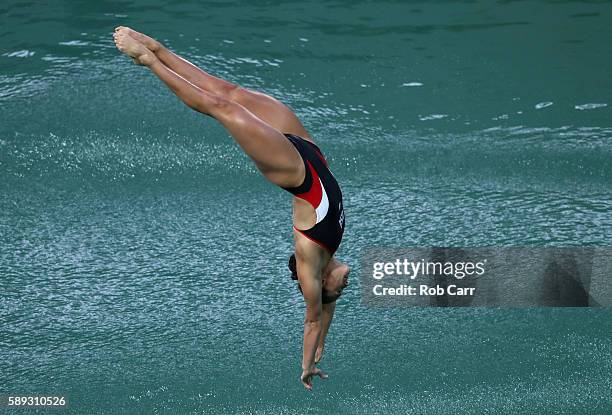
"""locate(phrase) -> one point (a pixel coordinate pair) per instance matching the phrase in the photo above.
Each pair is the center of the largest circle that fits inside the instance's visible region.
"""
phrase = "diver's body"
(283, 151)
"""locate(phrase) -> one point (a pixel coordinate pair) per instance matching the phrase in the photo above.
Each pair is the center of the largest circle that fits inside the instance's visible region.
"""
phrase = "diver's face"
(336, 279)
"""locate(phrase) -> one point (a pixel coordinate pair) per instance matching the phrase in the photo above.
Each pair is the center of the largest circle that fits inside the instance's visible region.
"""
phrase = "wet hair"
(325, 298)
(292, 267)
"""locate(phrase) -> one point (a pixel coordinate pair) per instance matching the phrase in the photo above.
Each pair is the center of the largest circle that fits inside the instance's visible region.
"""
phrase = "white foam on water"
(432, 117)
(75, 43)
(19, 54)
(590, 106)
(543, 105)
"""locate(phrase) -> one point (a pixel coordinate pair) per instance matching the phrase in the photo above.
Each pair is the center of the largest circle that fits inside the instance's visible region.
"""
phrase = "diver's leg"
(273, 154)
(269, 109)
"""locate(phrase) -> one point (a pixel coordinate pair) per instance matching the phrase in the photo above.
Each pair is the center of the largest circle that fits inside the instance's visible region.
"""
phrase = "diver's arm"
(310, 281)
(327, 315)
(311, 288)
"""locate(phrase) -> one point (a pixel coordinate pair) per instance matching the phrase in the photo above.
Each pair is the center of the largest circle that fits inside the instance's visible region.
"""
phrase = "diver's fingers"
(307, 381)
(322, 374)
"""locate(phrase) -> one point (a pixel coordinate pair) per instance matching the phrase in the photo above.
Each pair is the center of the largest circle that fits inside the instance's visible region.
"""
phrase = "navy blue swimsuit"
(322, 191)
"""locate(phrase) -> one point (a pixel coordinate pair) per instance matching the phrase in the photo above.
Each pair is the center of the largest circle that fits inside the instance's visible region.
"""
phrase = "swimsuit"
(322, 191)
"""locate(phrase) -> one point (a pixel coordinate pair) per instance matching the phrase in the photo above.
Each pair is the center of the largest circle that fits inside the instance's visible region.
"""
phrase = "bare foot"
(150, 43)
(134, 49)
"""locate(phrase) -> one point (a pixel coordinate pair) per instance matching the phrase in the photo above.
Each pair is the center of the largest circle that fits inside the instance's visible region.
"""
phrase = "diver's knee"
(234, 92)
(215, 105)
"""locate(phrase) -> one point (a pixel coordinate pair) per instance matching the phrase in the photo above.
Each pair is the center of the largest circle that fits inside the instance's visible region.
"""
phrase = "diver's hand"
(307, 375)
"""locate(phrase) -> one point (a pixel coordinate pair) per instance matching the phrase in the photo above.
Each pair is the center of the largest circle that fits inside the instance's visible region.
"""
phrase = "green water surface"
(143, 257)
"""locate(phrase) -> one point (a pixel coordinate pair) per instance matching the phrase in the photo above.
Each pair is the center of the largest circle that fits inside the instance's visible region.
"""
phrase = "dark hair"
(325, 298)
(292, 267)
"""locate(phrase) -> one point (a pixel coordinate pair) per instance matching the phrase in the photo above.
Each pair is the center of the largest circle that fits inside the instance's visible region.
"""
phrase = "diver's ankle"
(148, 59)
(155, 46)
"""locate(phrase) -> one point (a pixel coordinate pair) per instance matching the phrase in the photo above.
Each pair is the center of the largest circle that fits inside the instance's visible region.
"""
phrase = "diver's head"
(334, 279)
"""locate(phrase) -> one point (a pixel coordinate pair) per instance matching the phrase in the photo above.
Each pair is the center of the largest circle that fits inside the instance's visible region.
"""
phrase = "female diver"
(274, 138)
